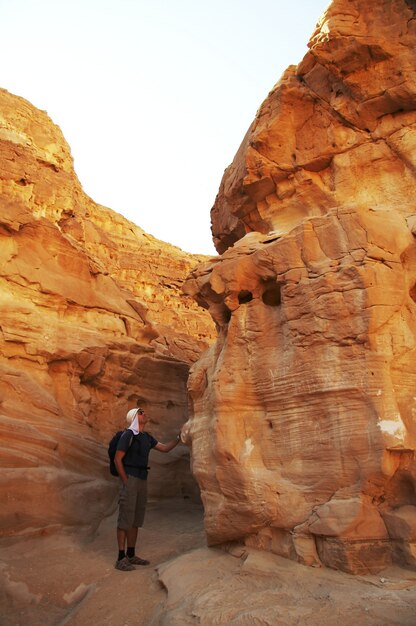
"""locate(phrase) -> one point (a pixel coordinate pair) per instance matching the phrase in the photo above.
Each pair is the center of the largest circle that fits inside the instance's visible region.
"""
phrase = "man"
(131, 461)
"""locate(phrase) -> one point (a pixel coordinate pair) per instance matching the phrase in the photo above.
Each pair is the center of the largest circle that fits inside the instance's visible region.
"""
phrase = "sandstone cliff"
(304, 426)
(92, 321)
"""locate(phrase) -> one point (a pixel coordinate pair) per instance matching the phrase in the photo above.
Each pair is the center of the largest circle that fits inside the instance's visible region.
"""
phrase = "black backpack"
(112, 448)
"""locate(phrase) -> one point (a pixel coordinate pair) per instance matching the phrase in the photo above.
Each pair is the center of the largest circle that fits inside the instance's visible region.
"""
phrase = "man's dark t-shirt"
(137, 453)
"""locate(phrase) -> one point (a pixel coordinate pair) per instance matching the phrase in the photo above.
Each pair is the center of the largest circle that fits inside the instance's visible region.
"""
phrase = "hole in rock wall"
(220, 313)
(202, 302)
(225, 315)
(271, 295)
(245, 296)
(401, 490)
(413, 293)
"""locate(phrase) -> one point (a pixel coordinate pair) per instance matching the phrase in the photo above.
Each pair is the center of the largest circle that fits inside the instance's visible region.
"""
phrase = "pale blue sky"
(154, 97)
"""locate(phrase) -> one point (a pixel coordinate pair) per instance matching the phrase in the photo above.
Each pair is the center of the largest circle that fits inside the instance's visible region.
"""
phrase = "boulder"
(303, 430)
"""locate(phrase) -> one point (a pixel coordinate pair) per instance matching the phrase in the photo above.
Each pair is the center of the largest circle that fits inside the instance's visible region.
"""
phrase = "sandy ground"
(71, 581)
(65, 580)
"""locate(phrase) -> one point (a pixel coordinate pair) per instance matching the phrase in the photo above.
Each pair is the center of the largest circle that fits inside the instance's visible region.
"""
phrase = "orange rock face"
(304, 426)
(86, 333)
(336, 129)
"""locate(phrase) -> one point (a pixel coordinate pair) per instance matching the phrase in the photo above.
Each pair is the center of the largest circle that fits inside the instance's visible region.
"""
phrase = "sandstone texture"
(92, 321)
(304, 411)
(207, 586)
(336, 129)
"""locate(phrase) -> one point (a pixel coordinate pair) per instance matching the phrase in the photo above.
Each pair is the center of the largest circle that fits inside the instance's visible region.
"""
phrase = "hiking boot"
(124, 565)
(136, 560)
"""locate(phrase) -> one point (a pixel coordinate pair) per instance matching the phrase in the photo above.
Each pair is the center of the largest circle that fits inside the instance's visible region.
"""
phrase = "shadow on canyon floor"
(67, 581)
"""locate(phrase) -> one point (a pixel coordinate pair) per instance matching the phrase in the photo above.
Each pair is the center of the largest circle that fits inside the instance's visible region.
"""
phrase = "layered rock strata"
(86, 334)
(339, 126)
(304, 429)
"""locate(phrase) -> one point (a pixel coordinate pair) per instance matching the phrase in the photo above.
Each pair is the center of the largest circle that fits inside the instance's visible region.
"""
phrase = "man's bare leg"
(121, 539)
(131, 547)
(122, 562)
(132, 537)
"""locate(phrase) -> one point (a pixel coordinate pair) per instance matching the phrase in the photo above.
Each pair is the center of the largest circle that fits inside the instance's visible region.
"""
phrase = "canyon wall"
(93, 321)
(303, 427)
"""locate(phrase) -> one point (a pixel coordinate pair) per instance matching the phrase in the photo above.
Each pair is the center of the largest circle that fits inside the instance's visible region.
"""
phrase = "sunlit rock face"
(337, 128)
(304, 425)
(85, 335)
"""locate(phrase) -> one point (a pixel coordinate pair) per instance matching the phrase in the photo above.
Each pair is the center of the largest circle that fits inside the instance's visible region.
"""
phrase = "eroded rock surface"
(339, 127)
(92, 321)
(304, 432)
(261, 588)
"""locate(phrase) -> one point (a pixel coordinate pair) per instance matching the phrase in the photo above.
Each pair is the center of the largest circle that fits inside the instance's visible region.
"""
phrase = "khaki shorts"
(132, 503)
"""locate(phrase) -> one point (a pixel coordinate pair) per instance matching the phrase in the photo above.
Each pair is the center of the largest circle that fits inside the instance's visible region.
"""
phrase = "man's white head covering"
(132, 419)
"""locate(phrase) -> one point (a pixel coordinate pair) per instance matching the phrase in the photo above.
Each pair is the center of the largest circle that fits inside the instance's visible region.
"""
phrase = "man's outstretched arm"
(167, 447)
